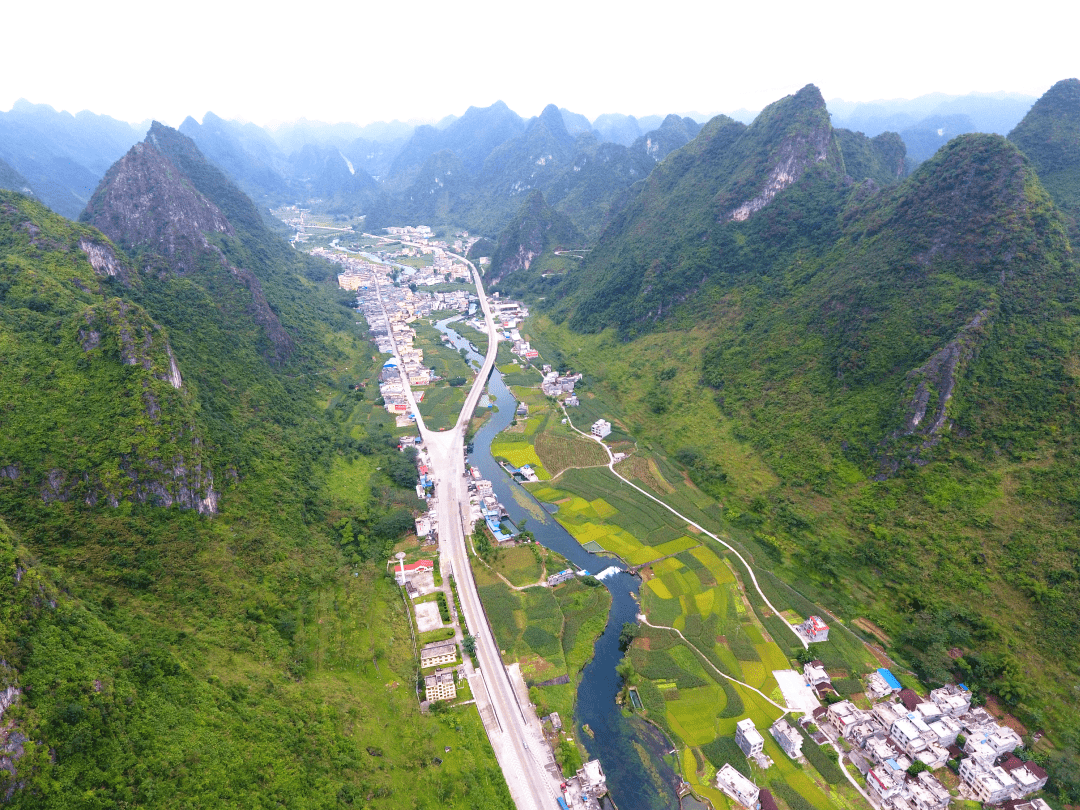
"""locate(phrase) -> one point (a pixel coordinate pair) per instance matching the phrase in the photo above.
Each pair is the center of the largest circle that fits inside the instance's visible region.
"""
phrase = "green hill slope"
(526, 248)
(1050, 136)
(882, 381)
(196, 614)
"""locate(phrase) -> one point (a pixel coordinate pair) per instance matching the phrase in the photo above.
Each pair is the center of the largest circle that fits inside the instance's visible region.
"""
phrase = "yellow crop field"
(602, 508)
(659, 588)
(717, 567)
(674, 546)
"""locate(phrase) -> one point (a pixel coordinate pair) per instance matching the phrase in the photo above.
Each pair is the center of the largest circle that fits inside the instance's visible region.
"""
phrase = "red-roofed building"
(814, 629)
(909, 699)
(402, 571)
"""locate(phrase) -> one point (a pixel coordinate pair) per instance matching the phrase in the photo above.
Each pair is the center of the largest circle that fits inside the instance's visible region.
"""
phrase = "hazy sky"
(350, 60)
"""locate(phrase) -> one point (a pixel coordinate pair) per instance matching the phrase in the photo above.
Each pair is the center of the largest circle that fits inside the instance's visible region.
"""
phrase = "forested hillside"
(196, 611)
(878, 382)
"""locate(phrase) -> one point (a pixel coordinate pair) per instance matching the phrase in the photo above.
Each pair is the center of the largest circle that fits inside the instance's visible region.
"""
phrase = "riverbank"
(712, 662)
(627, 767)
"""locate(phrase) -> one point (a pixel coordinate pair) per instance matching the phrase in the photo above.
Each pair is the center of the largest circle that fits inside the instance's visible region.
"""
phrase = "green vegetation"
(266, 639)
(888, 380)
(1049, 135)
(441, 406)
(550, 632)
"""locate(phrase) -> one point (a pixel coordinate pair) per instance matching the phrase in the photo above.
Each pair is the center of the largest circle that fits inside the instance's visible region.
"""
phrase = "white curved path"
(702, 529)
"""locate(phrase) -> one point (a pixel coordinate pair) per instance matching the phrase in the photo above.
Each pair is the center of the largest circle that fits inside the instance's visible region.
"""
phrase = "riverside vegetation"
(195, 610)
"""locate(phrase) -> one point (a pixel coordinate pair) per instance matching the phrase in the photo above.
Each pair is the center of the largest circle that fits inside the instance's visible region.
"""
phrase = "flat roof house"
(737, 786)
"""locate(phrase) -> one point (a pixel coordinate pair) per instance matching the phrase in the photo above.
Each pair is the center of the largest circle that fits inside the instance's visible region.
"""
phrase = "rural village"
(893, 738)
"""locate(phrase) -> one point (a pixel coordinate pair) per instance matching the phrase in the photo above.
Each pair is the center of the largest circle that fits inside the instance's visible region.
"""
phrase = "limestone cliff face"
(95, 406)
(791, 160)
(792, 135)
(144, 201)
(150, 204)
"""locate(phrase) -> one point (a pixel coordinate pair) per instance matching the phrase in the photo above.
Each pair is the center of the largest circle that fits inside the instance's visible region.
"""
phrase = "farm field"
(549, 632)
(694, 585)
(441, 406)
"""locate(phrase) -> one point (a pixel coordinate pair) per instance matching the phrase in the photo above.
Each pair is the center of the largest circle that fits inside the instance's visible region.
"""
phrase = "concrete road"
(511, 724)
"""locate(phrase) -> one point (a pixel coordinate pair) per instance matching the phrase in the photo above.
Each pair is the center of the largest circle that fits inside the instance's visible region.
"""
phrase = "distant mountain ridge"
(61, 156)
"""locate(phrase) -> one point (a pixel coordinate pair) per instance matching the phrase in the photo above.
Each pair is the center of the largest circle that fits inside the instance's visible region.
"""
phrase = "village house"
(844, 715)
(945, 730)
(560, 577)
(737, 786)
(998, 739)
(438, 652)
(1028, 776)
(887, 713)
(440, 685)
(925, 792)
(402, 572)
(952, 700)
(601, 428)
(815, 673)
(908, 736)
(881, 683)
(788, 738)
(882, 783)
(814, 630)
(990, 784)
(748, 738)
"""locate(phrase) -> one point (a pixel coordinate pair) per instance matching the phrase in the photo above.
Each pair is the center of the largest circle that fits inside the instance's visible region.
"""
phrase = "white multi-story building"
(601, 428)
(438, 652)
(999, 739)
(952, 700)
(989, 783)
(882, 783)
(945, 730)
(907, 736)
(925, 792)
(748, 738)
(440, 685)
(815, 673)
(787, 737)
(1028, 776)
(737, 786)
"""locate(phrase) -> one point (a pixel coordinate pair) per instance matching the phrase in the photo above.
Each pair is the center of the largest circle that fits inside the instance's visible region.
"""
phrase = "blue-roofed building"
(890, 679)
(881, 683)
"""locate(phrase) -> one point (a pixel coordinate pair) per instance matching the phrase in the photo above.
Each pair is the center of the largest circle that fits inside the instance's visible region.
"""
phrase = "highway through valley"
(509, 718)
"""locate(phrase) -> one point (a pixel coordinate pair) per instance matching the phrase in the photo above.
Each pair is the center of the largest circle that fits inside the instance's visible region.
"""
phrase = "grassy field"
(441, 406)
(521, 565)
(549, 632)
(446, 361)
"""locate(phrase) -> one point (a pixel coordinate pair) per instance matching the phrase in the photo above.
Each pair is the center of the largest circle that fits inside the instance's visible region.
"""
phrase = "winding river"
(620, 743)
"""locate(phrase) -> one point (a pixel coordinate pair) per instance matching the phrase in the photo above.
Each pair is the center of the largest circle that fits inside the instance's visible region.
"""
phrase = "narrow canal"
(620, 743)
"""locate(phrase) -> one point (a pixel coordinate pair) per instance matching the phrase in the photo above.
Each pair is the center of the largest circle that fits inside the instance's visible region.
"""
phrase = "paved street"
(511, 724)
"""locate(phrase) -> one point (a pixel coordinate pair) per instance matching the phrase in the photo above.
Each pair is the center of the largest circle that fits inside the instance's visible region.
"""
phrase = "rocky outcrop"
(927, 392)
(797, 153)
(146, 203)
(103, 259)
(936, 378)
